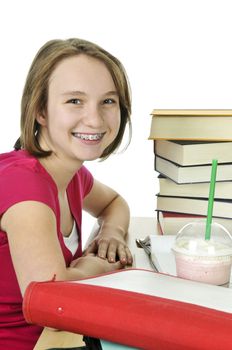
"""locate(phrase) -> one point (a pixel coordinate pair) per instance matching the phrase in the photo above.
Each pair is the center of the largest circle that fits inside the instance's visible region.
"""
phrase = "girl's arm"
(113, 216)
(35, 249)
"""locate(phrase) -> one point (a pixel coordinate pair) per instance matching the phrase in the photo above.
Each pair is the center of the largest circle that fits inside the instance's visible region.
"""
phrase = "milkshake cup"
(201, 260)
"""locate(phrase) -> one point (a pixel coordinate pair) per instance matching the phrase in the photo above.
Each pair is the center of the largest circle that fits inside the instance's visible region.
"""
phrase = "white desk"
(139, 228)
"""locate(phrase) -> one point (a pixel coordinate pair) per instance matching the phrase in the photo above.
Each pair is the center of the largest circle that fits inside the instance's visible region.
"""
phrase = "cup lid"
(190, 240)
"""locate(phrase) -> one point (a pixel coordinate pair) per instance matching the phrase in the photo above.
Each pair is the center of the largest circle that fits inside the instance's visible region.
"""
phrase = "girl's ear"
(41, 119)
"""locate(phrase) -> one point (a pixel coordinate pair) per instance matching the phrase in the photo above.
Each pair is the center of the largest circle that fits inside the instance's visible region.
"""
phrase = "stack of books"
(185, 143)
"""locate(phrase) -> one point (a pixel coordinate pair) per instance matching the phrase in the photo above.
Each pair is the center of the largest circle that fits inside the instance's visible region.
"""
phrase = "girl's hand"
(91, 265)
(112, 248)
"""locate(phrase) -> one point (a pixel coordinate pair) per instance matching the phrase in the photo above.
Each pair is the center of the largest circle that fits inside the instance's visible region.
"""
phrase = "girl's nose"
(93, 117)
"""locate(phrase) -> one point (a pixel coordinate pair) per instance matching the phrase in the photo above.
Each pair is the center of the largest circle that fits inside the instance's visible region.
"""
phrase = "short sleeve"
(86, 179)
(18, 184)
(78, 188)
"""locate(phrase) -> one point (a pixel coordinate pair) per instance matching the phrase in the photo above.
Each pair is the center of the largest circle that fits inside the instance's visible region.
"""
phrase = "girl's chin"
(89, 157)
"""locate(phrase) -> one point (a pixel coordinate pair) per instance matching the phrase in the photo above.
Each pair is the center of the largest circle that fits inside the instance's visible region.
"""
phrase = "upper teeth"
(89, 136)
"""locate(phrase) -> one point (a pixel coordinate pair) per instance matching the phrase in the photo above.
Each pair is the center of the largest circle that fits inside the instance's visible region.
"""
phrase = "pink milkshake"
(207, 261)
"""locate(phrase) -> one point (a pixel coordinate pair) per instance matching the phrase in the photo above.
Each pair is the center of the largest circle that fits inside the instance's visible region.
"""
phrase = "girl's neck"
(60, 170)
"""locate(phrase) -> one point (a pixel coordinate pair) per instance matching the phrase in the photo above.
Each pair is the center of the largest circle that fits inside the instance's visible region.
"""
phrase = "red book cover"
(126, 307)
(169, 214)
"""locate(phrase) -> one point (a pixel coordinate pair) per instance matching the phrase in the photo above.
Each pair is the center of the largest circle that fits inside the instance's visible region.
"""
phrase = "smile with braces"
(90, 137)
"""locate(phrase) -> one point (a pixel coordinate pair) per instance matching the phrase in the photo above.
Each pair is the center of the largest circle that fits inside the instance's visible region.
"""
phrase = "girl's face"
(83, 112)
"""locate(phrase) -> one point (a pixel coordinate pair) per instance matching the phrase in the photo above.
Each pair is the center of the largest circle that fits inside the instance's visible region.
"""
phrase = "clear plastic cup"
(207, 261)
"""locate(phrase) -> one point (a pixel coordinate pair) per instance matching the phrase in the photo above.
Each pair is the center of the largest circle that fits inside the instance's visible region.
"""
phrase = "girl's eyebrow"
(73, 93)
(77, 92)
(113, 92)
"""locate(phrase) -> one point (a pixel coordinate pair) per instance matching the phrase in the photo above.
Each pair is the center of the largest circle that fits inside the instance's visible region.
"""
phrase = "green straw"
(211, 199)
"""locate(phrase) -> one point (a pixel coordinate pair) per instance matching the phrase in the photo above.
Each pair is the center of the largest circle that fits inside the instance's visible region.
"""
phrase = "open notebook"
(137, 308)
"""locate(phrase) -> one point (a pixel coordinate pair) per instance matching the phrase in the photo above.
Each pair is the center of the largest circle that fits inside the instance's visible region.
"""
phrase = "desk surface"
(139, 228)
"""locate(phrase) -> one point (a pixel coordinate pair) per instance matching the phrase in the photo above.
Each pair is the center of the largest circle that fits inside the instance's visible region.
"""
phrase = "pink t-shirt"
(23, 178)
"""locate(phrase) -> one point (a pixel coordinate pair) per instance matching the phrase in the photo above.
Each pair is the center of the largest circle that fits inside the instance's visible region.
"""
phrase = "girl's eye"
(109, 101)
(74, 101)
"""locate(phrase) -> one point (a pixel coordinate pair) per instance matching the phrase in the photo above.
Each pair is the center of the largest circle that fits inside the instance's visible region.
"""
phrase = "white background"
(177, 54)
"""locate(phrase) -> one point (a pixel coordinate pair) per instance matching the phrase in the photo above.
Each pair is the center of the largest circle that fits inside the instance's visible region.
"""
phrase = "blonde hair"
(35, 93)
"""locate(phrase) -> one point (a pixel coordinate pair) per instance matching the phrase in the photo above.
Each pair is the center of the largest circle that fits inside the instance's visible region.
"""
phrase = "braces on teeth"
(89, 137)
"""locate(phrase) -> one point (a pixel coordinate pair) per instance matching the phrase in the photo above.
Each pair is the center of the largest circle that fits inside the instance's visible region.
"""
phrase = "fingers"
(103, 246)
(114, 251)
(125, 255)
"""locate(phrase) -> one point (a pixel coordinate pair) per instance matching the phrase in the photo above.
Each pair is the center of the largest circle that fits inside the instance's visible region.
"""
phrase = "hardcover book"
(193, 152)
(198, 125)
(138, 308)
(192, 174)
(194, 206)
(167, 187)
(170, 223)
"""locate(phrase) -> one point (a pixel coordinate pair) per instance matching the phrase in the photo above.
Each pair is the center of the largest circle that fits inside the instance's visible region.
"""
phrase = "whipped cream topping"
(202, 247)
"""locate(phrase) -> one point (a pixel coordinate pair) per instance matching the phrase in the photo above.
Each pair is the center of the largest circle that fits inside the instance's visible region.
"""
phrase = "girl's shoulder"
(17, 159)
(21, 164)
(22, 178)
